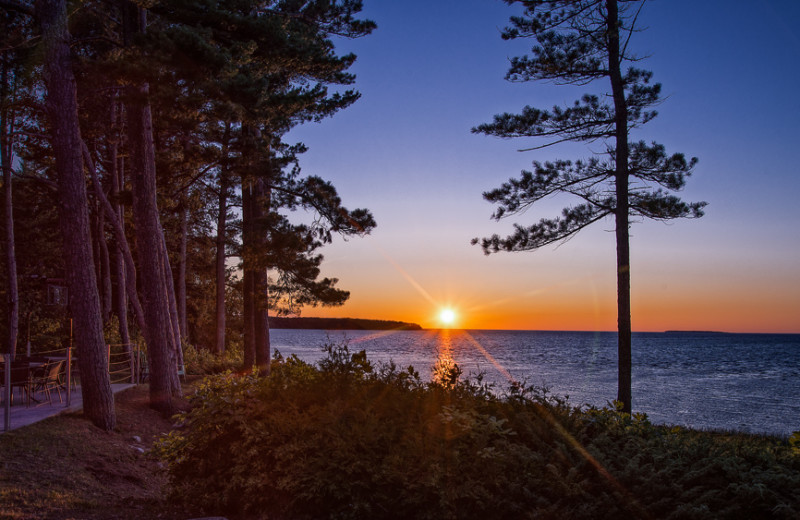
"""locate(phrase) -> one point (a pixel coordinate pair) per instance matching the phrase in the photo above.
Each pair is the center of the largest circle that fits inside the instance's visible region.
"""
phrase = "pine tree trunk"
(222, 208)
(84, 302)
(175, 338)
(222, 217)
(158, 324)
(119, 256)
(248, 303)
(121, 299)
(105, 266)
(184, 329)
(621, 214)
(260, 208)
(6, 155)
(155, 303)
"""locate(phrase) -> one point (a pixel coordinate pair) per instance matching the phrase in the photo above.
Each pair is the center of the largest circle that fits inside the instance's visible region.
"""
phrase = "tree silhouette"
(577, 43)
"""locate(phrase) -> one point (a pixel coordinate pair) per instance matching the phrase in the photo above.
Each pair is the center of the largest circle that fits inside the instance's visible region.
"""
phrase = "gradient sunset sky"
(434, 69)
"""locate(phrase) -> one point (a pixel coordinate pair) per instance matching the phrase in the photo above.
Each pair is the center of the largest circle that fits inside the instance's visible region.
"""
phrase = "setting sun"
(447, 317)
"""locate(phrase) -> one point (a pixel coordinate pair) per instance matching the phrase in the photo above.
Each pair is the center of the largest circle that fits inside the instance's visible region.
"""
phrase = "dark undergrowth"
(348, 440)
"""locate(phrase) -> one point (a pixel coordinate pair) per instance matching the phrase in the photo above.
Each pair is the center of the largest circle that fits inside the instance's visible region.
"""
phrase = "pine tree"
(62, 110)
(266, 65)
(579, 42)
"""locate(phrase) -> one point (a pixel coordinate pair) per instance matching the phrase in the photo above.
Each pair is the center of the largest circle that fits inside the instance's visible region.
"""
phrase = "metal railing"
(122, 361)
(124, 364)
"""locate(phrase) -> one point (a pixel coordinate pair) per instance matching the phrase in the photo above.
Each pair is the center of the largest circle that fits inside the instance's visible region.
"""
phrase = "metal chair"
(45, 379)
(20, 378)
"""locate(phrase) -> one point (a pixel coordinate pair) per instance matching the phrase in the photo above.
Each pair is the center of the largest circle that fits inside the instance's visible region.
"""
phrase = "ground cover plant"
(346, 439)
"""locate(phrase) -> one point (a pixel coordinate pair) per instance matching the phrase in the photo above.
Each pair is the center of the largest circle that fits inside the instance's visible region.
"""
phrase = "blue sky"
(434, 69)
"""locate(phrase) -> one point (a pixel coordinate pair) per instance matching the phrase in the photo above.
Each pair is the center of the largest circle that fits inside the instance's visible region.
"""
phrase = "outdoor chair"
(20, 378)
(45, 379)
(62, 376)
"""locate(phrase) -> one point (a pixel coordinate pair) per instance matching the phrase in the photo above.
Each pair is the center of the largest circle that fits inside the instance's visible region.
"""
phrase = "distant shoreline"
(339, 324)
(312, 323)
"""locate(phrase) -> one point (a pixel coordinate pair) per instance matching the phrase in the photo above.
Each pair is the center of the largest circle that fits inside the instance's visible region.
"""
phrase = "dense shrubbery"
(349, 440)
(201, 361)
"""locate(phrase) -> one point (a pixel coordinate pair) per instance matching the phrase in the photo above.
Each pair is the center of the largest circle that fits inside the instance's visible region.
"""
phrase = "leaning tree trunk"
(176, 338)
(122, 242)
(158, 331)
(621, 213)
(6, 156)
(62, 109)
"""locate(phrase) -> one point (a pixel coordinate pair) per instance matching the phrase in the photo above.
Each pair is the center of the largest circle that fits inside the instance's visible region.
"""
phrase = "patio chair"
(20, 378)
(62, 376)
(45, 379)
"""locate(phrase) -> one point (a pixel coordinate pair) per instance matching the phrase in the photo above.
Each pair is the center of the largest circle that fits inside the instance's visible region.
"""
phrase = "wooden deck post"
(7, 414)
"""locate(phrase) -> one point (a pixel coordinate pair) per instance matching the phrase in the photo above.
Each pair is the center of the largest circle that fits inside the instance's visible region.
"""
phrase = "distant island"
(694, 332)
(339, 324)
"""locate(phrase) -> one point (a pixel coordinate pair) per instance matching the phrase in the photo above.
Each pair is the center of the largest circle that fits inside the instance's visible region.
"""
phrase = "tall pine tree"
(579, 42)
(266, 66)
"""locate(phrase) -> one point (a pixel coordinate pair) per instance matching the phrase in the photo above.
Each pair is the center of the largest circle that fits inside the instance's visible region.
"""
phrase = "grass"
(65, 468)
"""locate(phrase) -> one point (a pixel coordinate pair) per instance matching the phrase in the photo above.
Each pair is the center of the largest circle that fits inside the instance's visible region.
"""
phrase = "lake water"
(747, 382)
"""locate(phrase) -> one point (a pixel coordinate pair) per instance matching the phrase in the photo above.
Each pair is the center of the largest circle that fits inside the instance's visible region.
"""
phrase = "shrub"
(201, 361)
(349, 440)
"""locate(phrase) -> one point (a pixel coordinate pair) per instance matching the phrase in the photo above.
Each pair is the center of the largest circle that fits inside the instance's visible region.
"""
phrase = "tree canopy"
(182, 108)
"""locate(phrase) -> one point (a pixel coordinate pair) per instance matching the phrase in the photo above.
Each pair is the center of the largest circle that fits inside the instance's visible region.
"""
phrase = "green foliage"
(201, 361)
(574, 45)
(794, 442)
(348, 439)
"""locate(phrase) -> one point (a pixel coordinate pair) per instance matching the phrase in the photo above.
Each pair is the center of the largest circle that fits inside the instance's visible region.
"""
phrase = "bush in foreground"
(345, 440)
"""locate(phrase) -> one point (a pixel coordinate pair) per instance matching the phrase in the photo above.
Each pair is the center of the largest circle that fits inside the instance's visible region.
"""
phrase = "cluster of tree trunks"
(213, 129)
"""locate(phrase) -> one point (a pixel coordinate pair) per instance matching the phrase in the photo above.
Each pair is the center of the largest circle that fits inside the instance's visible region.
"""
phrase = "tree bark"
(118, 221)
(122, 241)
(6, 156)
(62, 109)
(182, 321)
(621, 213)
(260, 208)
(222, 215)
(248, 305)
(104, 264)
(155, 304)
(175, 337)
(158, 330)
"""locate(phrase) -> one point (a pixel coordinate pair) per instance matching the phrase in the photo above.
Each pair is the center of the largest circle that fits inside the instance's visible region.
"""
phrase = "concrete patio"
(22, 415)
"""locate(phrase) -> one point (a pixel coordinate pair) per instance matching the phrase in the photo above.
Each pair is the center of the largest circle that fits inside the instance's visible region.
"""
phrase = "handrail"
(122, 362)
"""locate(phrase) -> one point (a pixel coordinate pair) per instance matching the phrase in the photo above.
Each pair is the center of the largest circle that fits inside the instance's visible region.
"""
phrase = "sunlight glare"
(447, 317)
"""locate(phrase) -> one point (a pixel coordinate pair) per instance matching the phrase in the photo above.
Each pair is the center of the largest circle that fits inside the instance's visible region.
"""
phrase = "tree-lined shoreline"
(309, 323)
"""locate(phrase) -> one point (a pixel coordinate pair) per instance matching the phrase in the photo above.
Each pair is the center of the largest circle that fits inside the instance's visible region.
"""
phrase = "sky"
(435, 68)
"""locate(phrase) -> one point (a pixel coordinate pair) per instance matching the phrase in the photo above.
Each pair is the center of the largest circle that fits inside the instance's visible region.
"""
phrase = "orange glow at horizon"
(718, 311)
(515, 297)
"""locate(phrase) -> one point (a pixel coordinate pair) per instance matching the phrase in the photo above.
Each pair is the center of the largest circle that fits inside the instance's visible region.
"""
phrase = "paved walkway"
(22, 415)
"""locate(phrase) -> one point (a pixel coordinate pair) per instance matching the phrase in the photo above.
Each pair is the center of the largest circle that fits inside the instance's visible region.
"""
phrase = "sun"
(447, 317)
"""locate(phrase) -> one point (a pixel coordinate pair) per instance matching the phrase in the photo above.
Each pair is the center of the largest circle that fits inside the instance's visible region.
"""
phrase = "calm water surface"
(748, 382)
